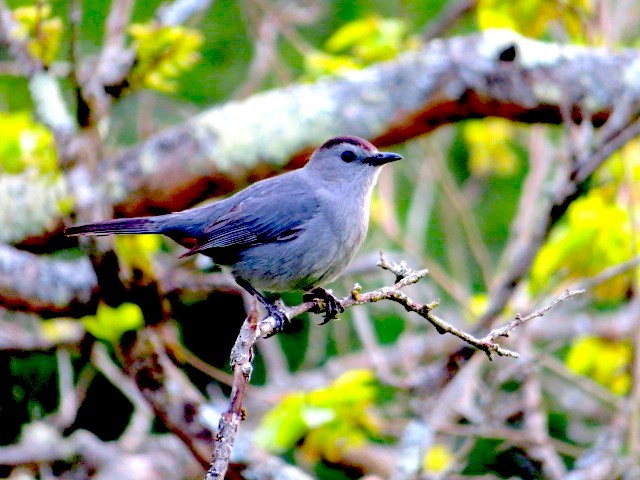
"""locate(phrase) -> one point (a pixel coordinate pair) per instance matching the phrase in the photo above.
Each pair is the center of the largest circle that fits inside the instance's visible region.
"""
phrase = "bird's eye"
(348, 156)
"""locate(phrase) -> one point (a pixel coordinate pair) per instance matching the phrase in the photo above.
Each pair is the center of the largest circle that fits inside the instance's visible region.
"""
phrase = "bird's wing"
(274, 217)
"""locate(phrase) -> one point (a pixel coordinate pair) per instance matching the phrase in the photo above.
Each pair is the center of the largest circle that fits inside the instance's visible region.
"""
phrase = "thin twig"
(142, 416)
(448, 17)
(519, 320)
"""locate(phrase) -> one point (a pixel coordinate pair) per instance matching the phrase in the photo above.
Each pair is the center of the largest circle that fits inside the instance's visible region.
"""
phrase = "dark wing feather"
(258, 220)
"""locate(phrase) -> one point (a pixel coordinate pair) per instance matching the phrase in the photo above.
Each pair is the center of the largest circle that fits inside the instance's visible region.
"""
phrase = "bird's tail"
(120, 225)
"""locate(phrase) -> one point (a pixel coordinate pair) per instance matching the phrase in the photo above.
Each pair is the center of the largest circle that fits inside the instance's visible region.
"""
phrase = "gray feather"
(261, 218)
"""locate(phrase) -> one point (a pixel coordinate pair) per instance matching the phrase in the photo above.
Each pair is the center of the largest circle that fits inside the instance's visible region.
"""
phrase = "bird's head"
(349, 159)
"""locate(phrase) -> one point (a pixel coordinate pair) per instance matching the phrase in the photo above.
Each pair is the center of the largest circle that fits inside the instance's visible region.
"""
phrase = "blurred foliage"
(34, 379)
(598, 232)
(110, 323)
(40, 30)
(437, 459)
(358, 44)
(25, 144)
(606, 361)
(536, 18)
(489, 146)
(162, 54)
(137, 251)
(596, 235)
(324, 421)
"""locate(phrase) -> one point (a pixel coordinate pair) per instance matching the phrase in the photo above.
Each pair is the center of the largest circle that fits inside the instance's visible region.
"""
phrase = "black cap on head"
(357, 141)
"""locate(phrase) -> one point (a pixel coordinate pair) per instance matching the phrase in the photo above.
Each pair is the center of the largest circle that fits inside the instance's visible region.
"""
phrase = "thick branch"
(44, 285)
(445, 82)
(48, 285)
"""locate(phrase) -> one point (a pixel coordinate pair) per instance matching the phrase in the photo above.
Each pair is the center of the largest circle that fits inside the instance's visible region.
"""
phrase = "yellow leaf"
(325, 421)
(162, 54)
(582, 355)
(58, 329)
(110, 323)
(605, 361)
(137, 251)
(43, 34)
(26, 144)
(489, 147)
(596, 235)
(437, 459)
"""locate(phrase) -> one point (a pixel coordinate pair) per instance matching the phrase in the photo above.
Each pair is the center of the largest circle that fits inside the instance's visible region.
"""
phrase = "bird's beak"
(382, 158)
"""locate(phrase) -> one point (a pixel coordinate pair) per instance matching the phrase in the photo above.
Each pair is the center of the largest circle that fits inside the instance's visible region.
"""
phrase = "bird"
(295, 231)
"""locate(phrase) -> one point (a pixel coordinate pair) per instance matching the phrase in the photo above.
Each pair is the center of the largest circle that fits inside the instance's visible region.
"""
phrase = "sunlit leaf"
(25, 144)
(357, 44)
(489, 146)
(326, 420)
(41, 31)
(110, 323)
(606, 361)
(535, 18)
(596, 235)
(162, 54)
(437, 458)
(137, 251)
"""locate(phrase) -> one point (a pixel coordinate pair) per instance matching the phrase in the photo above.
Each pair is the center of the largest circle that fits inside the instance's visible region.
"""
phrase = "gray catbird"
(296, 231)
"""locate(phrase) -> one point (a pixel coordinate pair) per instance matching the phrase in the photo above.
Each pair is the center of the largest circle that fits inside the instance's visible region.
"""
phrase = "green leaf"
(111, 323)
(162, 54)
(596, 235)
(326, 420)
(25, 144)
(357, 44)
(283, 426)
(41, 31)
(137, 251)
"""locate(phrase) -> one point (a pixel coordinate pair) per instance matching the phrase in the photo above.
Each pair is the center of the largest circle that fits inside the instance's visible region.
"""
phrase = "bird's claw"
(280, 318)
(325, 302)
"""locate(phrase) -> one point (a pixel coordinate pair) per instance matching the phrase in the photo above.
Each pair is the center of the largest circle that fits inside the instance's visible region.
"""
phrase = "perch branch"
(241, 358)
(253, 329)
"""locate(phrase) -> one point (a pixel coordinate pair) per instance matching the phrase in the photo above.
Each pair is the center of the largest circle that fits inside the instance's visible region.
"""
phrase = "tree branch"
(253, 329)
(447, 81)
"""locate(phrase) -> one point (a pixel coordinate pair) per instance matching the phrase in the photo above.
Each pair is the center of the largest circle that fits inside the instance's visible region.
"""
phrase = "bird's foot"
(325, 302)
(279, 316)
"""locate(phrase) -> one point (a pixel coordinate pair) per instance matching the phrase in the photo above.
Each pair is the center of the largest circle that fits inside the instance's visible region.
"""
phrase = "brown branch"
(174, 399)
(241, 362)
(112, 68)
(41, 443)
(45, 285)
(141, 419)
(253, 329)
(20, 332)
(519, 320)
